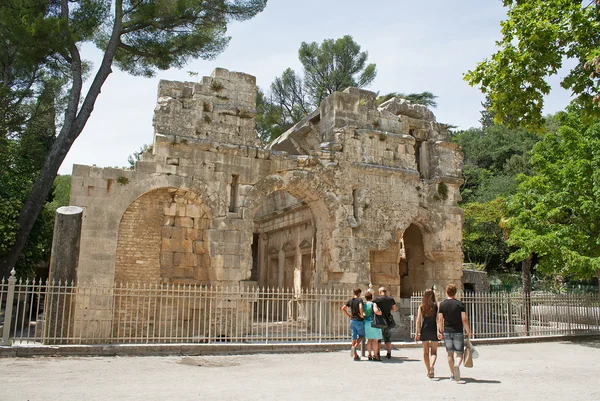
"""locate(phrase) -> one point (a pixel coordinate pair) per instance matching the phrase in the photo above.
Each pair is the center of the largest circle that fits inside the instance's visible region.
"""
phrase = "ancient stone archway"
(283, 252)
(161, 237)
(415, 274)
(308, 221)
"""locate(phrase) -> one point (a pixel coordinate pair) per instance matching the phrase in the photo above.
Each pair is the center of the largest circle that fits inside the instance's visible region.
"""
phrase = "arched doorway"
(413, 272)
(161, 238)
(283, 247)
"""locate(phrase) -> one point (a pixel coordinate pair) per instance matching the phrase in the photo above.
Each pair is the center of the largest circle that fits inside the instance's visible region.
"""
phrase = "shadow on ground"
(592, 343)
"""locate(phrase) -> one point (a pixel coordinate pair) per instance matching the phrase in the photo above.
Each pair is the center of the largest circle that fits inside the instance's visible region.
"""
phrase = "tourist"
(387, 305)
(372, 334)
(357, 326)
(452, 321)
(426, 330)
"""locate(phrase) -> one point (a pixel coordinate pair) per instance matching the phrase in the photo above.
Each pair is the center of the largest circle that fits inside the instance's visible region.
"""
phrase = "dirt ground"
(540, 371)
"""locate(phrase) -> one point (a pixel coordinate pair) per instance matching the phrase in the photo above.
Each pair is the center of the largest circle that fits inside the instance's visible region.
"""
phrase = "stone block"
(194, 211)
(81, 170)
(166, 259)
(172, 245)
(200, 247)
(170, 209)
(183, 221)
(192, 234)
(145, 167)
(177, 233)
(179, 259)
(166, 169)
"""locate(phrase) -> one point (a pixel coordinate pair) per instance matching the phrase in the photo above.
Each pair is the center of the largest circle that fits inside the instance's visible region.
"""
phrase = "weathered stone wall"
(355, 178)
(475, 280)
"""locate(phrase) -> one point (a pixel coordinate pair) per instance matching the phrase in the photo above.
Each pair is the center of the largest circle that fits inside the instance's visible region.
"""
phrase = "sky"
(417, 46)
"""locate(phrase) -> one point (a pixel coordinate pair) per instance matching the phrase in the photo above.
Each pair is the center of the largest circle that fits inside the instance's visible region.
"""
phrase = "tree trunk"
(73, 124)
(526, 266)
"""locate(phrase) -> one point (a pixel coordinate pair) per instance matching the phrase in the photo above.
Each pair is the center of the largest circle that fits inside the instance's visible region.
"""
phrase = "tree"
(334, 66)
(132, 158)
(494, 156)
(483, 238)
(537, 37)
(555, 215)
(138, 36)
(424, 98)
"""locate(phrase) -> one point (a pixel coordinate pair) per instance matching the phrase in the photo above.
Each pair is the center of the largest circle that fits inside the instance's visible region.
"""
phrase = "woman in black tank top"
(426, 330)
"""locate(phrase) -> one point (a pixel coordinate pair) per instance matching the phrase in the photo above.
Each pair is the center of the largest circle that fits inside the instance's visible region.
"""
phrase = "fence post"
(10, 296)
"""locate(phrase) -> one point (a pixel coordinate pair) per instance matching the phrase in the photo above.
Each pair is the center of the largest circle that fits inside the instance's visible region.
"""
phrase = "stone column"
(59, 307)
(65, 244)
(262, 259)
(297, 270)
(280, 268)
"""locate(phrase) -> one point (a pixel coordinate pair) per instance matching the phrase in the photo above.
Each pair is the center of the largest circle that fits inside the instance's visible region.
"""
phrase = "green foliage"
(556, 212)
(161, 34)
(334, 65)
(40, 57)
(483, 239)
(216, 86)
(537, 37)
(494, 156)
(133, 158)
(424, 98)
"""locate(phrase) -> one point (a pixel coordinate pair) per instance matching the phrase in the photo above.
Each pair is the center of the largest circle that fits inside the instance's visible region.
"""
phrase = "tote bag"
(379, 322)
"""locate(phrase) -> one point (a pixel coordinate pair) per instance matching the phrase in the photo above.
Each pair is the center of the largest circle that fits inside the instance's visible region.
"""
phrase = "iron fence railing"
(54, 313)
(513, 314)
(37, 312)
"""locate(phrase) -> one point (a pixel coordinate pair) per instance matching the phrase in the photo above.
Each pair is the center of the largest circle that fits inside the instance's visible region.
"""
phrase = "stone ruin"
(353, 194)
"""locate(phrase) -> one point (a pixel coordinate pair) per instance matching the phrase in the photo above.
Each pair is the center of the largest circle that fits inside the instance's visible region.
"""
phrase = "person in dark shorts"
(387, 305)
(452, 322)
(426, 330)
(357, 316)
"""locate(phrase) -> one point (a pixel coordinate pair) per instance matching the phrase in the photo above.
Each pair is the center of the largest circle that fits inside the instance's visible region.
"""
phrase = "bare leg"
(459, 358)
(451, 362)
(426, 355)
(358, 342)
(434, 346)
(369, 348)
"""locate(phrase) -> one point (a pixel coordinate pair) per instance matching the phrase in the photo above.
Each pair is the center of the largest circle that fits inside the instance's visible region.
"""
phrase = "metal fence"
(512, 314)
(36, 312)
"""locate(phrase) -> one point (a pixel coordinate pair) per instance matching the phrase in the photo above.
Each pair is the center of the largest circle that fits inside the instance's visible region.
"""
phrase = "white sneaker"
(456, 373)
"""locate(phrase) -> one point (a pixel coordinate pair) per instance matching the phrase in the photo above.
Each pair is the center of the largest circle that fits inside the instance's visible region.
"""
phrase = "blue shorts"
(455, 342)
(357, 327)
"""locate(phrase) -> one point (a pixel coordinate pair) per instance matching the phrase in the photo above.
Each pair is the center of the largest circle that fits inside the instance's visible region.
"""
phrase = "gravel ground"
(539, 371)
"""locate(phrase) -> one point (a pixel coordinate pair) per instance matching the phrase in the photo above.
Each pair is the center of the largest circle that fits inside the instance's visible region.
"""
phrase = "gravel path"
(540, 371)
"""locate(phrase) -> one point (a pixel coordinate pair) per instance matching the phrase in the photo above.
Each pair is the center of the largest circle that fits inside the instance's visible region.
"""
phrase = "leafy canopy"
(537, 37)
(556, 212)
(42, 77)
(333, 65)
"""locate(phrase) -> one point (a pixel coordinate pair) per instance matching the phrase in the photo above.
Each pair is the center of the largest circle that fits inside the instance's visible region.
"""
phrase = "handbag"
(474, 352)
(468, 356)
(379, 322)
